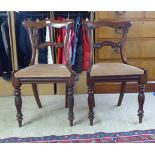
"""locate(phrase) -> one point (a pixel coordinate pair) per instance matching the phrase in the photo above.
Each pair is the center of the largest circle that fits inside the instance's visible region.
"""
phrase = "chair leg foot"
(18, 104)
(140, 118)
(91, 103)
(123, 86)
(141, 98)
(71, 122)
(91, 122)
(20, 123)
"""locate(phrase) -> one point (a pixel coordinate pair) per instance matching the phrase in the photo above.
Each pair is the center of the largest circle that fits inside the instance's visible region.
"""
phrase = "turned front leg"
(70, 103)
(141, 98)
(18, 104)
(91, 103)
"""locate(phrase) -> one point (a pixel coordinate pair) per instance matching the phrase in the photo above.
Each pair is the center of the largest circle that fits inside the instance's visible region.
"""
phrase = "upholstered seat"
(44, 70)
(108, 69)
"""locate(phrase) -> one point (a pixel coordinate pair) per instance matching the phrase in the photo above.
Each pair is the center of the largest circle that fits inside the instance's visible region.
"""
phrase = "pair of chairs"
(54, 73)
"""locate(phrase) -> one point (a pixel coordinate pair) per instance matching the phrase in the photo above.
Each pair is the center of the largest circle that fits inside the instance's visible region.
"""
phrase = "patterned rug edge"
(135, 136)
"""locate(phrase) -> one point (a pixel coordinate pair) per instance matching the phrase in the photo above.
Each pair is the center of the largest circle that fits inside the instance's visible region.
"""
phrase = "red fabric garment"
(60, 36)
(59, 39)
(72, 41)
(63, 54)
(69, 46)
(86, 50)
(59, 50)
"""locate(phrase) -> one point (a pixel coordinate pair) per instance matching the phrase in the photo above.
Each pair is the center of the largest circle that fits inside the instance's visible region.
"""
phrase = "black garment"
(24, 50)
(18, 24)
(5, 37)
(43, 52)
(7, 55)
(3, 56)
(24, 47)
(1, 69)
(79, 51)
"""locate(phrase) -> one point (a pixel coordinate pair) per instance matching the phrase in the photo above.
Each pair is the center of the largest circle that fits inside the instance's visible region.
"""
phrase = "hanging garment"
(71, 42)
(63, 54)
(1, 68)
(43, 52)
(49, 57)
(24, 50)
(18, 25)
(24, 47)
(78, 52)
(3, 56)
(86, 49)
(36, 58)
(5, 37)
(60, 36)
(6, 42)
(77, 29)
(59, 40)
(37, 51)
(69, 46)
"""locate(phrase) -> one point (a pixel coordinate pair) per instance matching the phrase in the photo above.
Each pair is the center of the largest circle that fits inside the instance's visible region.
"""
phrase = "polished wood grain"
(134, 15)
(149, 14)
(143, 48)
(139, 29)
(119, 14)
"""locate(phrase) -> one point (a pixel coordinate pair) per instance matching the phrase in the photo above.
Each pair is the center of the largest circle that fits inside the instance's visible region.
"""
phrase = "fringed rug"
(136, 136)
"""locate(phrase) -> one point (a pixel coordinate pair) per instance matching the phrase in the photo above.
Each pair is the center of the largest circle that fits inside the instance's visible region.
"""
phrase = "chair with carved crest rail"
(113, 71)
(45, 73)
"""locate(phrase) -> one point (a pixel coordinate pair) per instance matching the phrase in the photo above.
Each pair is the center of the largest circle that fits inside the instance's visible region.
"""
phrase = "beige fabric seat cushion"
(44, 70)
(108, 69)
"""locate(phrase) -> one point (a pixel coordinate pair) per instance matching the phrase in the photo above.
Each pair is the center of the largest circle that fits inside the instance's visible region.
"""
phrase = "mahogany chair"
(45, 73)
(113, 71)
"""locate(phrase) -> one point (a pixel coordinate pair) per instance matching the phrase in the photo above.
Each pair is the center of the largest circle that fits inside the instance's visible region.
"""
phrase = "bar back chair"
(45, 73)
(113, 71)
